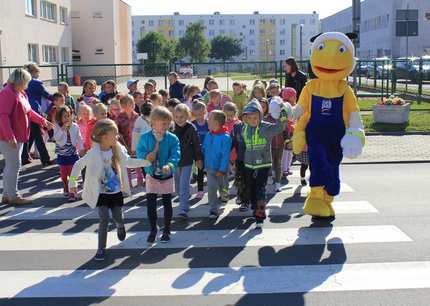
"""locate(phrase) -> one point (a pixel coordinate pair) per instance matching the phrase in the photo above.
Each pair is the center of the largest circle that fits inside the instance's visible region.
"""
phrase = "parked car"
(410, 69)
(383, 67)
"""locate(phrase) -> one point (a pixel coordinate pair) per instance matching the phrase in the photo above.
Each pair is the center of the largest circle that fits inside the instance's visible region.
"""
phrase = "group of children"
(167, 142)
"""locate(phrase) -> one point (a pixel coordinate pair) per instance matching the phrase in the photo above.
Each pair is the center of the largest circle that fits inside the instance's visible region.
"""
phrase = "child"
(109, 92)
(156, 99)
(165, 96)
(142, 124)
(125, 122)
(205, 85)
(214, 100)
(88, 92)
(289, 96)
(84, 116)
(239, 96)
(273, 90)
(68, 141)
(132, 86)
(57, 101)
(201, 124)
(230, 111)
(162, 149)
(258, 92)
(172, 103)
(238, 144)
(257, 135)
(106, 161)
(138, 101)
(278, 142)
(190, 152)
(191, 91)
(100, 112)
(114, 109)
(149, 89)
(216, 150)
(212, 85)
(63, 88)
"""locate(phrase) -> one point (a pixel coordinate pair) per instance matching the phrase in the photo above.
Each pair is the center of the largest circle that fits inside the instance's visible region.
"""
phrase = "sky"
(187, 7)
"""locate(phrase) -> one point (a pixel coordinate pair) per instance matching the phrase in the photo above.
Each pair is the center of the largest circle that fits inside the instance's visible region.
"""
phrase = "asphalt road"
(377, 251)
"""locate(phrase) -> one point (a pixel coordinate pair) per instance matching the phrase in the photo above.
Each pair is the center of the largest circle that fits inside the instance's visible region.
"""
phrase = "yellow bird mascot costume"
(329, 120)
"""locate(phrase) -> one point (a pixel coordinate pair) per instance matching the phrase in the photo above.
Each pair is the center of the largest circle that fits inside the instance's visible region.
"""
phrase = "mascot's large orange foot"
(318, 204)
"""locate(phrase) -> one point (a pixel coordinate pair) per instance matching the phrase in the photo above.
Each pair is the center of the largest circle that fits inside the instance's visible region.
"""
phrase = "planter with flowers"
(391, 110)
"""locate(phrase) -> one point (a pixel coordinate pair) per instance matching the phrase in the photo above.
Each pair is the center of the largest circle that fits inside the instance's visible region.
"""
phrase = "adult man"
(176, 88)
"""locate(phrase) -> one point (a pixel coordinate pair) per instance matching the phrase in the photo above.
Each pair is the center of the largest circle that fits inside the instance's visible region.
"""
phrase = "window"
(282, 32)
(211, 32)
(221, 22)
(63, 15)
(171, 33)
(251, 32)
(302, 21)
(281, 52)
(232, 22)
(262, 21)
(32, 53)
(65, 55)
(143, 21)
(49, 54)
(171, 22)
(76, 55)
(30, 8)
(282, 42)
(181, 22)
(252, 22)
(272, 21)
(160, 22)
(211, 22)
(181, 33)
(251, 52)
(252, 42)
(151, 23)
(406, 23)
(427, 16)
(98, 15)
(99, 51)
(282, 21)
(262, 31)
(48, 10)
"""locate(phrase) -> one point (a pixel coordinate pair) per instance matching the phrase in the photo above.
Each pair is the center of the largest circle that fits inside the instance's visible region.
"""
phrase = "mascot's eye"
(342, 49)
(321, 46)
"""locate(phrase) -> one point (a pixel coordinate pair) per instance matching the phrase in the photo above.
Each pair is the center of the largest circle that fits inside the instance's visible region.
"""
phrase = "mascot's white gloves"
(277, 107)
(353, 141)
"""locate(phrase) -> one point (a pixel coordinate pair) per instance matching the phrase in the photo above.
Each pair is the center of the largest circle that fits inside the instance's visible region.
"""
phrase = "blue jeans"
(182, 186)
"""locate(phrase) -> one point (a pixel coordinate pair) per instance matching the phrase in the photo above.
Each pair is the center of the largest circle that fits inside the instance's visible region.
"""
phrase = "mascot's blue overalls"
(330, 122)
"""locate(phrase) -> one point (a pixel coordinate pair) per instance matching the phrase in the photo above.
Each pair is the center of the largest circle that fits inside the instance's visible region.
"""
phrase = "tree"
(159, 49)
(225, 47)
(194, 43)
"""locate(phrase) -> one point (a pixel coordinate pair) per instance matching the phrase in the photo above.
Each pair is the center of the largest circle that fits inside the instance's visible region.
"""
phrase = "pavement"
(374, 253)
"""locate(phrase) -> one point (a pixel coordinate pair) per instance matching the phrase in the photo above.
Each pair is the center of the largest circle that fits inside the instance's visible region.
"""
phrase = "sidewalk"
(385, 148)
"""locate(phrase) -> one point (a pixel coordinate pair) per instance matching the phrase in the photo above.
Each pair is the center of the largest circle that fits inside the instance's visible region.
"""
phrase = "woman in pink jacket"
(15, 117)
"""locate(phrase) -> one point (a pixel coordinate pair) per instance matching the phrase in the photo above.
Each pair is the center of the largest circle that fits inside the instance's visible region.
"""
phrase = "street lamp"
(301, 42)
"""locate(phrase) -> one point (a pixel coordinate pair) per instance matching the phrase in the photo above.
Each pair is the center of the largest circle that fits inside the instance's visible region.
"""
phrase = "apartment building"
(265, 37)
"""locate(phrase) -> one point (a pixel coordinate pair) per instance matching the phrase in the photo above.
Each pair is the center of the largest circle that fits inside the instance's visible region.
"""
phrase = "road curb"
(387, 162)
(397, 133)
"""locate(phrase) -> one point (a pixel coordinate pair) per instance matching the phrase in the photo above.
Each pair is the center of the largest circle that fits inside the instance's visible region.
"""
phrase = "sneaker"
(303, 182)
(100, 255)
(259, 225)
(72, 198)
(224, 197)
(121, 233)
(19, 201)
(200, 195)
(239, 201)
(243, 207)
(151, 237)
(183, 216)
(213, 215)
(165, 237)
(277, 187)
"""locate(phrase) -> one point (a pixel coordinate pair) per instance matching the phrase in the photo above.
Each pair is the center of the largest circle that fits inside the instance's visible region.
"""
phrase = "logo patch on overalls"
(326, 107)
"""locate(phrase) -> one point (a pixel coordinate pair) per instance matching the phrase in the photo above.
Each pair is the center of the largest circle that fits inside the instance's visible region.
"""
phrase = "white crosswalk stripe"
(181, 278)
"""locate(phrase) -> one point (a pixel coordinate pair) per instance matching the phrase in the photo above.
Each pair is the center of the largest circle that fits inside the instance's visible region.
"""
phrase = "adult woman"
(15, 117)
(294, 77)
(36, 92)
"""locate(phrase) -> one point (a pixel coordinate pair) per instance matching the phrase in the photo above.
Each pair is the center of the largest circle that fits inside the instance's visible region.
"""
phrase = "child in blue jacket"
(162, 148)
(216, 148)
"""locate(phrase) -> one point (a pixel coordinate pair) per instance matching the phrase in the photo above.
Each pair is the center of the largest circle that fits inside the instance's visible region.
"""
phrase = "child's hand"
(199, 164)
(151, 157)
(82, 152)
(73, 191)
(166, 169)
(219, 173)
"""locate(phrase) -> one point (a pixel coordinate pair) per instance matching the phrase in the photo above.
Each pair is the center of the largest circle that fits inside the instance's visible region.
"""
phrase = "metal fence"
(409, 78)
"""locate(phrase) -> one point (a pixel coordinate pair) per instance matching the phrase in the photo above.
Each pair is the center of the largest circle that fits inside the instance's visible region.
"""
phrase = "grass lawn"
(419, 121)
(239, 76)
